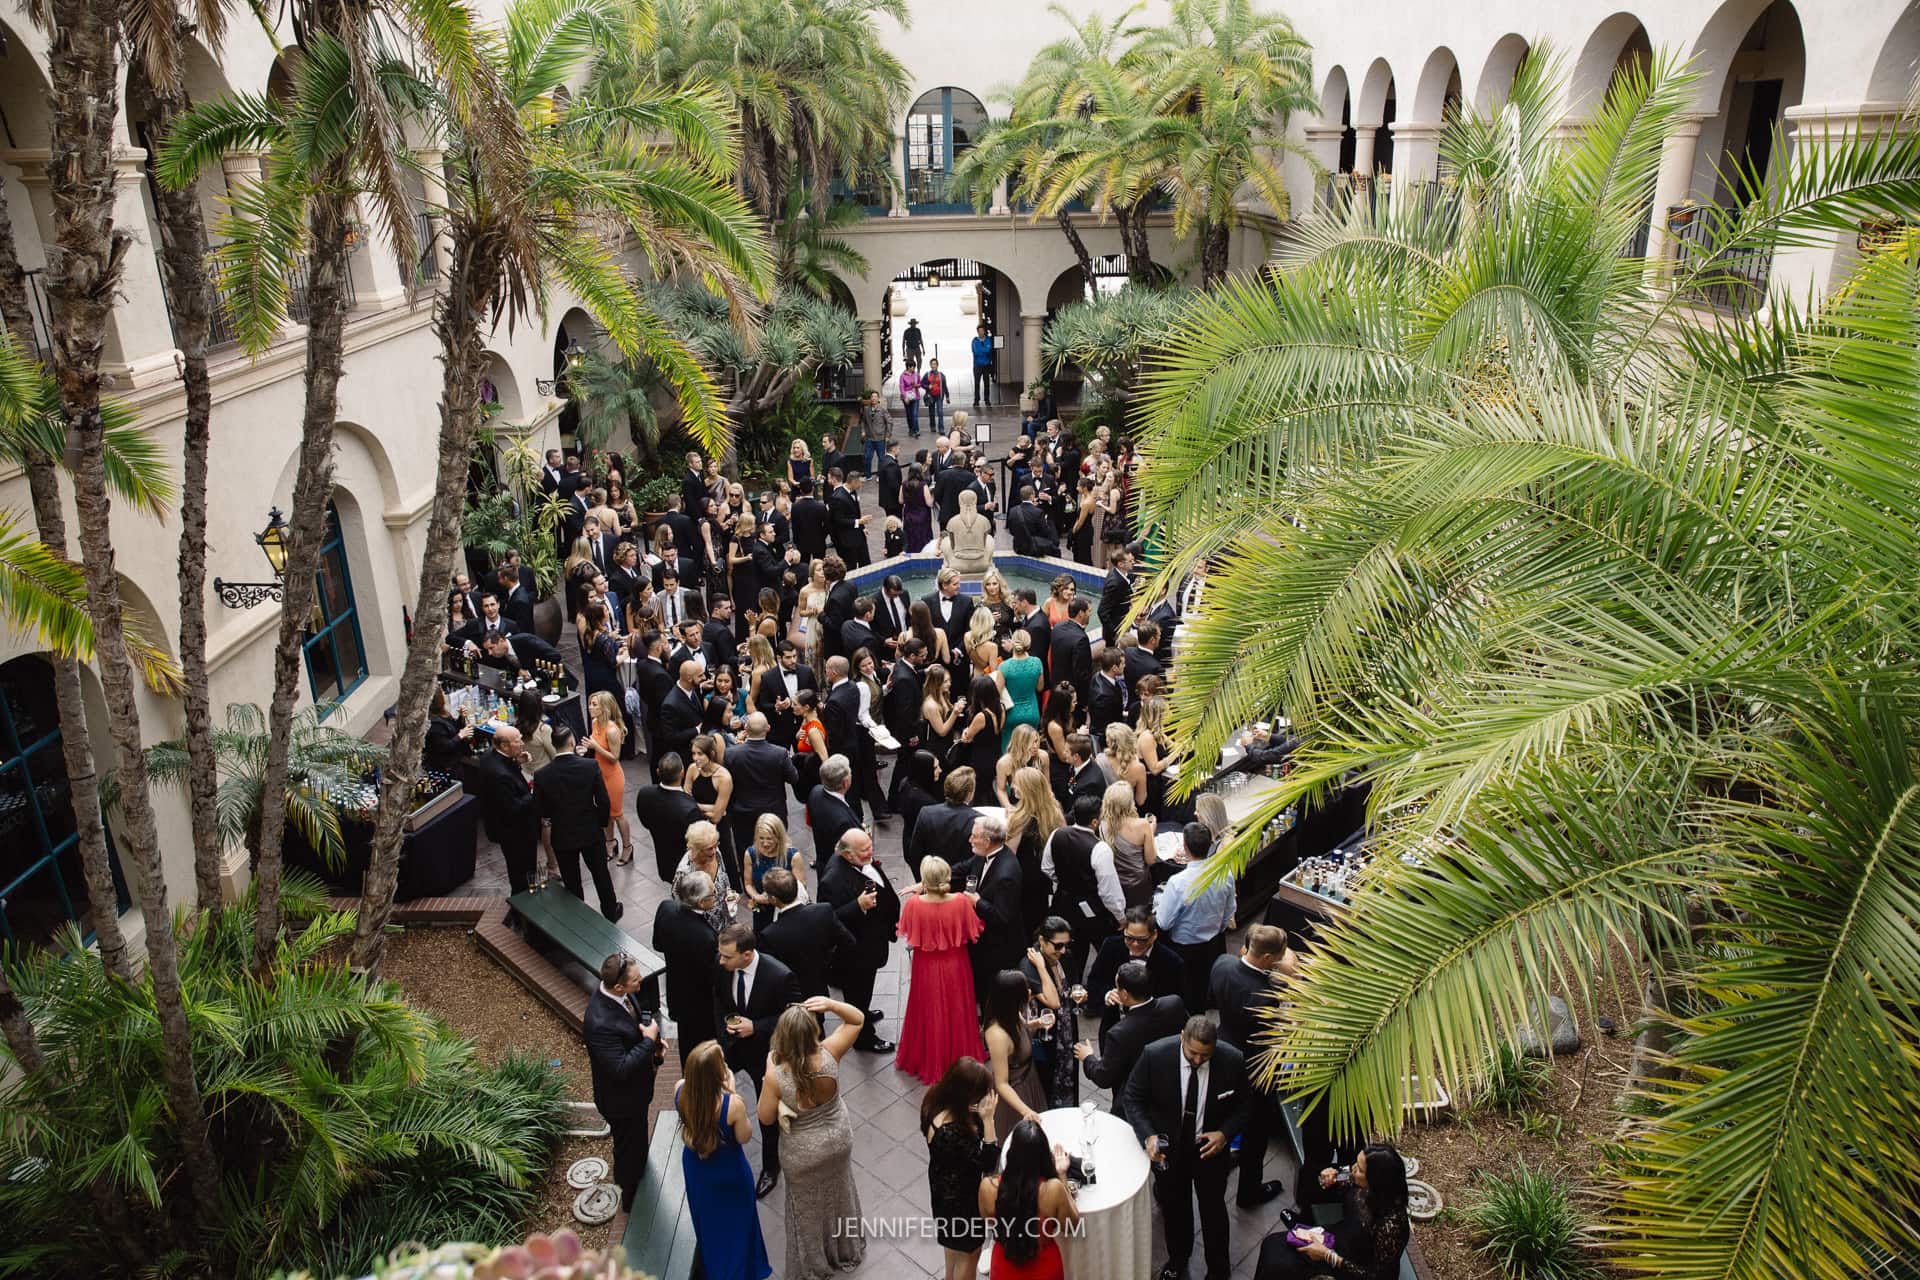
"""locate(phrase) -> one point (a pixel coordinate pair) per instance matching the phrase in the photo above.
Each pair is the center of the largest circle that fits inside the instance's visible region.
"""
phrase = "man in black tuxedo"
(1032, 532)
(553, 476)
(676, 570)
(1193, 1090)
(762, 775)
(750, 993)
(1107, 700)
(1116, 594)
(856, 633)
(839, 606)
(1031, 618)
(686, 533)
(951, 608)
(690, 646)
(717, 643)
(811, 521)
(1139, 940)
(506, 805)
(1085, 778)
(624, 1051)
(600, 544)
(954, 476)
(573, 519)
(778, 689)
(1071, 651)
(488, 621)
(849, 526)
(1141, 660)
(770, 517)
(807, 937)
(943, 829)
(889, 479)
(682, 712)
(891, 606)
(857, 888)
(469, 595)
(996, 900)
(830, 810)
(686, 942)
(1086, 893)
(651, 680)
(693, 487)
(515, 652)
(572, 799)
(900, 710)
(1246, 990)
(666, 811)
(1144, 1018)
(519, 603)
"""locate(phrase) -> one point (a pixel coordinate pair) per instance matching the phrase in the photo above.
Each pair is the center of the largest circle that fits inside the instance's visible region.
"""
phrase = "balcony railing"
(299, 284)
(39, 316)
(934, 191)
(1733, 278)
(425, 228)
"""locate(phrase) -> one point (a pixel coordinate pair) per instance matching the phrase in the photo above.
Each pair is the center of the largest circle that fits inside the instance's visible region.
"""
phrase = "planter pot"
(547, 617)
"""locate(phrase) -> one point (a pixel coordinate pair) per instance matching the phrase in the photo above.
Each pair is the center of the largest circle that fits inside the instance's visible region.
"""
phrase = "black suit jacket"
(716, 641)
(762, 773)
(506, 802)
(856, 635)
(1106, 703)
(680, 719)
(1140, 663)
(1152, 1100)
(686, 536)
(781, 725)
(811, 520)
(1003, 936)
(808, 939)
(900, 707)
(835, 613)
(1137, 1028)
(523, 651)
(774, 988)
(946, 491)
(1072, 657)
(1244, 996)
(956, 626)
(840, 716)
(831, 816)
(693, 494)
(1164, 966)
(572, 796)
(890, 485)
(1040, 634)
(844, 507)
(841, 884)
(941, 829)
(666, 815)
(1032, 532)
(1116, 597)
(518, 608)
(884, 623)
(623, 1061)
(1088, 781)
(688, 944)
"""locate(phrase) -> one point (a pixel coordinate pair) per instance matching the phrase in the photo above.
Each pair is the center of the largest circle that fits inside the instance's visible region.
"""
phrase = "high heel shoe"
(617, 855)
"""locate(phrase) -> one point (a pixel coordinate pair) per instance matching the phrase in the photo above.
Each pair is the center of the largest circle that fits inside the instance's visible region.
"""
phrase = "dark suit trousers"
(1174, 1189)
(629, 1155)
(522, 863)
(1263, 1121)
(856, 988)
(1199, 958)
(595, 856)
(866, 776)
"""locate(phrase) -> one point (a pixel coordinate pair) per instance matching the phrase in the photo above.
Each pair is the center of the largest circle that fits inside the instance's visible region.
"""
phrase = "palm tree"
(816, 91)
(1611, 605)
(812, 250)
(614, 393)
(600, 158)
(335, 137)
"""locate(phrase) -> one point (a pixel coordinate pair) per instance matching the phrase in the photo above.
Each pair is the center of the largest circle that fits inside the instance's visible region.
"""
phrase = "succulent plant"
(560, 1256)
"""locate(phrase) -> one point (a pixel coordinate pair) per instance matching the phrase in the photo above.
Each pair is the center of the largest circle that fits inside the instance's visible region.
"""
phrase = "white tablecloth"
(1117, 1210)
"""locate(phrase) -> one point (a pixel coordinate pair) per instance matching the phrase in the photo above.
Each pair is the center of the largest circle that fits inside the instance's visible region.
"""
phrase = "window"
(336, 661)
(41, 884)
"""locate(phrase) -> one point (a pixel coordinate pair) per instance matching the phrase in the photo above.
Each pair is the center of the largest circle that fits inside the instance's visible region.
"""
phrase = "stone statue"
(966, 545)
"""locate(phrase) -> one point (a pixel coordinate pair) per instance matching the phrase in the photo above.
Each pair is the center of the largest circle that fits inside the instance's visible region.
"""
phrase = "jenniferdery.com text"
(930, 1228)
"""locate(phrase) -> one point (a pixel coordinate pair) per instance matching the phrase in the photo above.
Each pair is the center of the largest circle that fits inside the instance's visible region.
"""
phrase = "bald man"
(682, 711)
(507, 805)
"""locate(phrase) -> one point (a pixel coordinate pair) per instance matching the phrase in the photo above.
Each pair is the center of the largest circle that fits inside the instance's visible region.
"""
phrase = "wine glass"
(1087, 1109)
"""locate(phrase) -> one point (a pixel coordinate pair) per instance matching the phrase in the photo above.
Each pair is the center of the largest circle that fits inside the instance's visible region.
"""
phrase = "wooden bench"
(1329, 1214)
(580, 931)
(659, 1240)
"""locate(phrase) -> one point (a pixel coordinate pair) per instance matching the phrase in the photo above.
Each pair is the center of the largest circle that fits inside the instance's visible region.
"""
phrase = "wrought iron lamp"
(573, 352)
(273, 543)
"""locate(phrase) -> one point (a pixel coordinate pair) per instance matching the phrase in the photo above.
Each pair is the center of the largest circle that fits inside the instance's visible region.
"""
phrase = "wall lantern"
(273, 544)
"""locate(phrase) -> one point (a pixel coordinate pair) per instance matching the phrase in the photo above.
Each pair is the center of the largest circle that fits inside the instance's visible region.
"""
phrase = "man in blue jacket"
(982, 367)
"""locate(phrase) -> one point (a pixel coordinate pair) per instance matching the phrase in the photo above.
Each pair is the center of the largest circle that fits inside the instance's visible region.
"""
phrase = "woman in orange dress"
(941, 1025)
(608, 733)
(809, 743)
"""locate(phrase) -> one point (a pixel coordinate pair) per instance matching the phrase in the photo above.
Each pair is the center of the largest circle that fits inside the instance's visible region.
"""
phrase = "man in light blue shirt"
(1195, 920)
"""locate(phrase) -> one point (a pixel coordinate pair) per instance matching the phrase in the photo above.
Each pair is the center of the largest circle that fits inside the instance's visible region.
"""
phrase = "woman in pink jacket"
(910, 396)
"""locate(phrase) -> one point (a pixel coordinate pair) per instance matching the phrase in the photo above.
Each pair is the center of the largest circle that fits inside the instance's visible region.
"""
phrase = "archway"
(1373, 121)
(575, 332)
(1748, 105)
(1436, 95)
(934, 309)
(1496, 76)
(1619, 42)
(942, 125)
(1336, 112)
(1894, 71)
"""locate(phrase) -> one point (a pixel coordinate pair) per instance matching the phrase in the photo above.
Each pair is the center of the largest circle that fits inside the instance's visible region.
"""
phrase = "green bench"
(579, 930)
(1328, 1214)
(659, 1239)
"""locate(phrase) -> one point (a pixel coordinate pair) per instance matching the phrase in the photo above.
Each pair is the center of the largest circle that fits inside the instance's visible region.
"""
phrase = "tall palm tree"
(335, 137)
(816, 91)
(812, 250)
(1611, 606)
(597, 159)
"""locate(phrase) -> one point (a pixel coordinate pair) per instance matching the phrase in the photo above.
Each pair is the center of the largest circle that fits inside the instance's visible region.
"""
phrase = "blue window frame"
(41, 883)
(336, 660)
(942, 125)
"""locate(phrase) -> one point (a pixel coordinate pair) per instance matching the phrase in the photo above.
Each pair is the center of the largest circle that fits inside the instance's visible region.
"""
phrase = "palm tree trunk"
(76, 746)
(306, 530)
(1133, 237)
(85, 101)
(1090, 287)
(183, 252)
(464, 360)
(18, 1029)
(1215, 243)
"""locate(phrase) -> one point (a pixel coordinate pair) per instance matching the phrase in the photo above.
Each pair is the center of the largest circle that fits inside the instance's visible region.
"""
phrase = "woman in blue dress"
(715, 1126)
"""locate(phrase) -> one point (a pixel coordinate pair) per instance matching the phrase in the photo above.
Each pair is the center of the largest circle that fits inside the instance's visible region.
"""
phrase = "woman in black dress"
(985, 717)
(956, 1119)
(600, 657)
(939, 718)
(716, 541)
(920, 789)
(1056, 726)
(1367, 1242)
(1086, 516)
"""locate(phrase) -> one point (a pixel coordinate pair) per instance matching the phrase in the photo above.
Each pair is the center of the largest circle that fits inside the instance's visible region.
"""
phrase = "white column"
(1416, 152)
(1674, 185)
(897, 161)
(1820, 267)
(377, 279)
(1000, 207)
(870, 353)
(1570, 130)
(1324, 141)
(433, 185)
(242, 169)
(1363, 151)
(1030, 327)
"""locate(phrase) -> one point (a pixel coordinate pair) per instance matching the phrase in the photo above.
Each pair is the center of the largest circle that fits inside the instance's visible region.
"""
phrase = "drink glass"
(973, 884)
(1160, 1141)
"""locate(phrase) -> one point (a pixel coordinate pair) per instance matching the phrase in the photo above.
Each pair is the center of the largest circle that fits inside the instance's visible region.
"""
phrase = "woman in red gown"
(941, 1025)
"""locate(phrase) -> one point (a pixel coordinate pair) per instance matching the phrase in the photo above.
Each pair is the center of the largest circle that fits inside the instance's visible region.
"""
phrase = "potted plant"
(651, 497)
(1681, 215)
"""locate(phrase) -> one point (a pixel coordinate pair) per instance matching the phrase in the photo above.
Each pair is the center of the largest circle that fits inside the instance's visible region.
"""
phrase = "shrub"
(346, 1121)
(1526, 1223)
(1514, 1081)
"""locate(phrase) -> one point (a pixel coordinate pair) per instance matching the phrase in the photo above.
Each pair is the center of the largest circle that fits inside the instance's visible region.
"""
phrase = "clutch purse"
(787, 1114)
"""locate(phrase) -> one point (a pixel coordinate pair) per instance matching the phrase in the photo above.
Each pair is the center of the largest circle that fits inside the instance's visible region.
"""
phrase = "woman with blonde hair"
(982, 650)
(807, 624)
(760, 660)
(799, 463)
(771, 850)
(993, 598)
(1022, 676)
(715, 1126)
(609, 731)
(1121, 760)
(801, 1094)
(703, 854)
(1023, 752)
(710, 783)
(940, 1024)
(1031, 821)
(1129, 840)
(1156, 750)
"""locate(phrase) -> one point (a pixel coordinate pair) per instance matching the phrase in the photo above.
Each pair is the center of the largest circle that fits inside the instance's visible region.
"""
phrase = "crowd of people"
(1054, 900)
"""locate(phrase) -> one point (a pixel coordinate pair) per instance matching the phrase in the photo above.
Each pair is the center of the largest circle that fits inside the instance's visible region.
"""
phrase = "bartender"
(516, 652)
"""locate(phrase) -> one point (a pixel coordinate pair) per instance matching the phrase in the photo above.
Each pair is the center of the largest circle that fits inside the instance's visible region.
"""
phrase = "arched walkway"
(1496, 76)
(1619, 41)
(1379, 107)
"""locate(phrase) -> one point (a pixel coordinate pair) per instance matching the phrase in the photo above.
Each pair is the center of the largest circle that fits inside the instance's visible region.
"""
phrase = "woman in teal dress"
(1023, 673)
(715, 1125)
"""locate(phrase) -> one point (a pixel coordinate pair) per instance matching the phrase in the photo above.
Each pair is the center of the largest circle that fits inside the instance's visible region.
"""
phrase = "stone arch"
(1618, 40)
(506, 387)
(1336, 99)
(1752, 57)
(1375, 92)
(1740, 27)
(1438, 85)
(1898, 63)
(942, 124)
(1496, 75)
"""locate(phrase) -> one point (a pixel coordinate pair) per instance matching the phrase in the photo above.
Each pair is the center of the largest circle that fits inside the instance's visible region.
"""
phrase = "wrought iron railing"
(39, 315)
(299, 286)
(425, 228)
(1732, 278)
